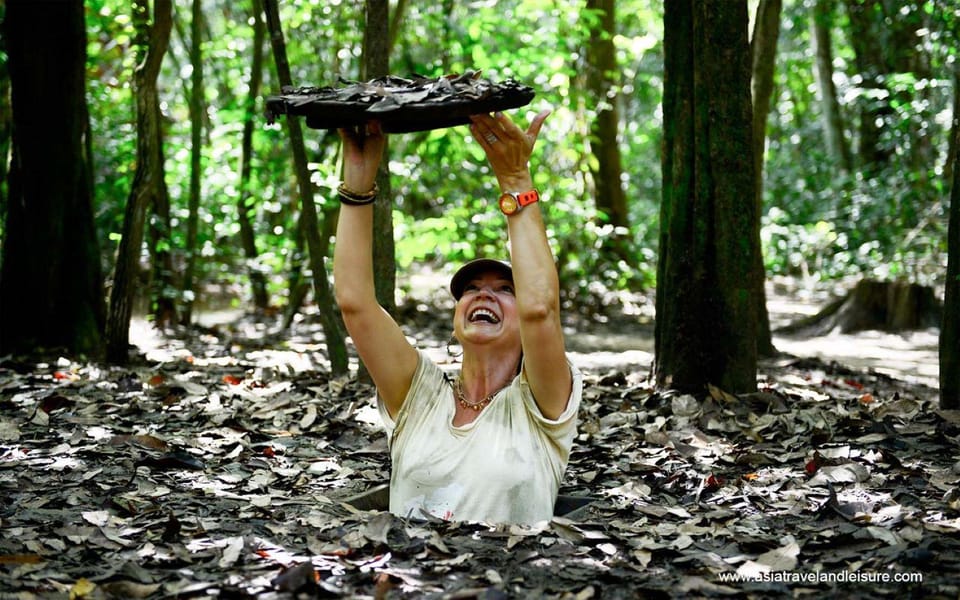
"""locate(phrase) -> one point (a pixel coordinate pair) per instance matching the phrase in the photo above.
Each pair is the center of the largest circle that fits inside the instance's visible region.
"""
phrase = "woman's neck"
(483, 374)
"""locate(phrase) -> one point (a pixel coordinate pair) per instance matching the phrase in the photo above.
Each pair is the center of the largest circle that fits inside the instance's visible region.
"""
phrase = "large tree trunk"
(705, 330)
(833, 132)
(246, 204)
(601, 56)
(148, 182)
(317, 246)
(950, 324)
(51, 286)
(196, 162)
(766, 30)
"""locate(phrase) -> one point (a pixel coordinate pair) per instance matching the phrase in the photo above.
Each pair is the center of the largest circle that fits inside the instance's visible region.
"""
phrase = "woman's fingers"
(484, 129)
(534, 130)
(500, 127)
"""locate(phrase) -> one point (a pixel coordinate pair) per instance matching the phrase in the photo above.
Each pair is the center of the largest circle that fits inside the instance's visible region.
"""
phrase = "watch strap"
(512, 202)
(529, 197)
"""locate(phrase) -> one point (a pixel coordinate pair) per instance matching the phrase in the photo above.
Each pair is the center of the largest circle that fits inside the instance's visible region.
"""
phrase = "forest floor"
(217, 465)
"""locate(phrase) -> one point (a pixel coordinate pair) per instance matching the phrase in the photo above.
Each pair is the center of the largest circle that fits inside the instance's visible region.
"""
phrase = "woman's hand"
(508, 148)
(362, 151)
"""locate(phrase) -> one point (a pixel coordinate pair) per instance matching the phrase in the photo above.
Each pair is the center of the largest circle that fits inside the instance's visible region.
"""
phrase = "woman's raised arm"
(508, 148)
(379, 341)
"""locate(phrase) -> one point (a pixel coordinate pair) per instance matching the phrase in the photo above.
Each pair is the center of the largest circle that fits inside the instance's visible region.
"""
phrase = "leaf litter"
(222, 470)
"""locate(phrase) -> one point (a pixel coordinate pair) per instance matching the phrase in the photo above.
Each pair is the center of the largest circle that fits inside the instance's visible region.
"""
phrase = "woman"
(490, 444)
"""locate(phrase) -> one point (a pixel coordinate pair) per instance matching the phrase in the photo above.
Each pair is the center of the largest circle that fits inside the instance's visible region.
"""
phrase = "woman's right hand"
(362, 151)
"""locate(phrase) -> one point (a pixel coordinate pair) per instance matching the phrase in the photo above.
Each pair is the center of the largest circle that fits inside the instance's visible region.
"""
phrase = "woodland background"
(220, 460)
(854, 150)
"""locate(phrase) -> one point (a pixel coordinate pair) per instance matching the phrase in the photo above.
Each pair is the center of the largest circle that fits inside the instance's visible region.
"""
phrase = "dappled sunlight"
(911, 356)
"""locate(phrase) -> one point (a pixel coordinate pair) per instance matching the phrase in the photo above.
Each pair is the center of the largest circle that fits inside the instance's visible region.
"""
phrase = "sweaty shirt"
(504, 467)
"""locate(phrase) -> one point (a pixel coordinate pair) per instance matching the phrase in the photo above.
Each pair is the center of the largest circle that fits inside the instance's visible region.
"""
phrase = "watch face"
(508, 204)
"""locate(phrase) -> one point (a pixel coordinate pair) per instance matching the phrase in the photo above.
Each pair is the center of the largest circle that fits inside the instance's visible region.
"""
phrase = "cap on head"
(468, 271)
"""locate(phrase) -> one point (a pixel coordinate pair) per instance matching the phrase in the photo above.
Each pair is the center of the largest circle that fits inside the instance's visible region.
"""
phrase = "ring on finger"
(491, 138)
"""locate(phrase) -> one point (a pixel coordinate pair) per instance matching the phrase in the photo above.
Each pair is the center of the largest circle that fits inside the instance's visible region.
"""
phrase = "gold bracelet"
(355, 198)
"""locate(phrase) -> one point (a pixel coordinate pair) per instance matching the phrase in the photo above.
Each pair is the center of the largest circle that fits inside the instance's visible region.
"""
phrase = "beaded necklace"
(462, 400)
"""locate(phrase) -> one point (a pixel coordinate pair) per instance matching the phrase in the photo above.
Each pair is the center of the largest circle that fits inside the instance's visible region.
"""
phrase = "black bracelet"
(344, 199)
(354, 198)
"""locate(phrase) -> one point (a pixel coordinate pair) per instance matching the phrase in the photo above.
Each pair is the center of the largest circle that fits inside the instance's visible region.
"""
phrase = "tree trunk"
(705, 328)
(886, 35)
(196, 156)
(317, 248)
(906, 21)
(602, 72)
(866, 35)
(246, 204)
(766, 30)
(51, 285)
(874, 305)
(148, 182)
(821, 16)
(950, 324)
(163, 291)
(399, 12)
(297, 288)
(951, 159)
(376, 63)
(6, 116)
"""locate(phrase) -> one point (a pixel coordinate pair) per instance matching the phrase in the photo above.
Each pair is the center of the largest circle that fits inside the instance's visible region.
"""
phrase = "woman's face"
(487, 312)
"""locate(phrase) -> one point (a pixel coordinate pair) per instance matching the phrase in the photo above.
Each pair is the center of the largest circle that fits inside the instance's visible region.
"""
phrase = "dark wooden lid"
(400, 104)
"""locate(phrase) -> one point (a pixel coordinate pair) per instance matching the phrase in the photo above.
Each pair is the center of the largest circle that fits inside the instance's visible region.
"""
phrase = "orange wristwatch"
(512, 202)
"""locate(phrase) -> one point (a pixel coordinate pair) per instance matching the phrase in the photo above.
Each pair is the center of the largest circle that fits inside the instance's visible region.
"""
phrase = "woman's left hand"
(508, 148)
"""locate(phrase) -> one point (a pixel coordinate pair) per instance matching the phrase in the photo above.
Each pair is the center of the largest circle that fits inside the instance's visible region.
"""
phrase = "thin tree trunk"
(163, 290)
(866, 39)
(399, 11)
(297, 289)
(246, 204)
(152, 44)
(766, 31)
(705, 327)
(336, 344)
(908, 20)
(950, 324)
(610, 200)
(196, 156)
(51, 285)
(376, 63)
(954, 127)
(6, 117)
(448, 33)
(821, 17)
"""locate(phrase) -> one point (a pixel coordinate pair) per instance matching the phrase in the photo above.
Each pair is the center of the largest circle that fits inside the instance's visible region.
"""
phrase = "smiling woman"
(492, 443)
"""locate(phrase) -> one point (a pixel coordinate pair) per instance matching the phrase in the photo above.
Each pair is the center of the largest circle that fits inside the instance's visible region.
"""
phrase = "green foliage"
(819, 223)
(885, 223)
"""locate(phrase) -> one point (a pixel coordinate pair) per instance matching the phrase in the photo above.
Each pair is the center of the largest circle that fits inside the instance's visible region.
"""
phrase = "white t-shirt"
(504, 467)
